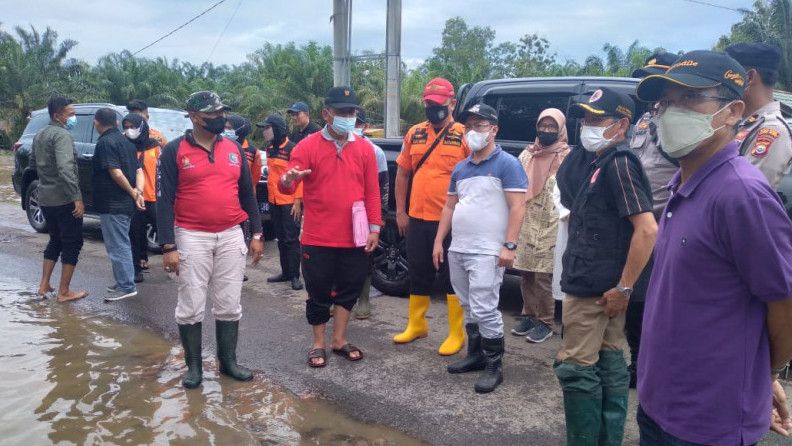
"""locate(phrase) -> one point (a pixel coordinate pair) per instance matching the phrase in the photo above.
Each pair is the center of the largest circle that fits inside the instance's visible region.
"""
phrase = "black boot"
(296, 283)
(279, 278)
(475, 357)
(227, 332)
(190, 335)
(492, 375)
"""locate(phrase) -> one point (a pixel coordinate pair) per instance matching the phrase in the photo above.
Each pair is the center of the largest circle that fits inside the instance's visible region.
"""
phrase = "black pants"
(332, 276)
(420, 242)
(287, 231)
(65, 231)
(632, 327)
(137, 233)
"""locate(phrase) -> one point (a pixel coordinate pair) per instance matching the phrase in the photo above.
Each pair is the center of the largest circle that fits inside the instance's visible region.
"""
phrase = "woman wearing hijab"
(535, 252)
(137, 130)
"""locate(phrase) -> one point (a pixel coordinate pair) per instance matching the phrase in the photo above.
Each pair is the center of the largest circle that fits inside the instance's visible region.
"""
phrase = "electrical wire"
(700, 2)
(178, 28)
(211, 53)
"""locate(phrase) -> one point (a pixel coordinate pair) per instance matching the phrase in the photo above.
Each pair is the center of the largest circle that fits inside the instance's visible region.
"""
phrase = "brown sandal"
(347, 350)
(317, 353)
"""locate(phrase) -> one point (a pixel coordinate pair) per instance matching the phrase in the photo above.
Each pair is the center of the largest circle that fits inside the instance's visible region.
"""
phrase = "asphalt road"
(402, 386)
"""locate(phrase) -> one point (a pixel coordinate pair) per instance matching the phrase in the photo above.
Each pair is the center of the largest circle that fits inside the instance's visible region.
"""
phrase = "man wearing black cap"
(342, 220)
(141, 108)
(766, 139)
(486, 203)
(204, 192)
(611, 237)
(659, 168)
(285, 208)
(718, 323)
(300, 116)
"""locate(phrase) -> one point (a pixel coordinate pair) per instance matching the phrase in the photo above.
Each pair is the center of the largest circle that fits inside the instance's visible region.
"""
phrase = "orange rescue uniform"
(430, 184)
(277, 165)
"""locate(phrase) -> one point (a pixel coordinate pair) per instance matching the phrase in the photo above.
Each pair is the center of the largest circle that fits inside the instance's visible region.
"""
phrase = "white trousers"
(477, 279)
(210, 264)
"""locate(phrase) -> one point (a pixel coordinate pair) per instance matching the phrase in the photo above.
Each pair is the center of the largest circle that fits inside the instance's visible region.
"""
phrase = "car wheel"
(34, 214)
(151, 239)
(390, 272)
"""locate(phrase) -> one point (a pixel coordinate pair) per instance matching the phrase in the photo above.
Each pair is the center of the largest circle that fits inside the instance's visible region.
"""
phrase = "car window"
(82, 131)
(37, 122)
(517, 114)
(172, 124)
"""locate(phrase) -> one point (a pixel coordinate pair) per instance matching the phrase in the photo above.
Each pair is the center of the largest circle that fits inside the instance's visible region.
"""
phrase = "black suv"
(519, 102)
(172, 123)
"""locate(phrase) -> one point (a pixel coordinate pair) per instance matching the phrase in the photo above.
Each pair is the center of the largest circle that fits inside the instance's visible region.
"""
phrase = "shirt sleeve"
(247, 199)
(112, 156)
(404, 159)
(452, 189)
(771, 152)
(372, 191)
(67, 165)
(513, 177)
(298, 157)
(628, 186)
(382, 162)
(167, 183)
(758, 235)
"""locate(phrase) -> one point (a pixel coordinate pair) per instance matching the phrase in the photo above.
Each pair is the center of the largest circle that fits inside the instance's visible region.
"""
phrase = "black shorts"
(333, 276)
(420, 242)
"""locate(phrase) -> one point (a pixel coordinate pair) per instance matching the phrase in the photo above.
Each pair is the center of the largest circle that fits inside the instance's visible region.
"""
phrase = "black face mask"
(214, 126)
(436, 113)
(547, 138)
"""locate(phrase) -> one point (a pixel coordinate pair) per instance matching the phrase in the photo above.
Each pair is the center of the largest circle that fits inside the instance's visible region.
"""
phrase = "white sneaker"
(120, 295)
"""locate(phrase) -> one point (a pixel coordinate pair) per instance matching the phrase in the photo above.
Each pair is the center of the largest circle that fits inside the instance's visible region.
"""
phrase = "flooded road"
(68, 377)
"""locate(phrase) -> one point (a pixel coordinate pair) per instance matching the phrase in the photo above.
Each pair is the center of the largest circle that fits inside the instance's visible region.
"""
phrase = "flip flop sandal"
(346, 352)
(317, 353)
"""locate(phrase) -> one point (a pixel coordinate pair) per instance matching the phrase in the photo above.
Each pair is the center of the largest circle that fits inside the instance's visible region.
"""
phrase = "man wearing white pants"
(486, 203)
(204, 192)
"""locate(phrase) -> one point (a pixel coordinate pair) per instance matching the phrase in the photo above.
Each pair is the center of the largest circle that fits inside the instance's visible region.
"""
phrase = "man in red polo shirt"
(342, 219)
(203, 193)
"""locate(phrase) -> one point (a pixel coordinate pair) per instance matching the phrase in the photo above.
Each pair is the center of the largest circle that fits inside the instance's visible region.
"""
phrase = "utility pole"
(393, 69)
(342, 36)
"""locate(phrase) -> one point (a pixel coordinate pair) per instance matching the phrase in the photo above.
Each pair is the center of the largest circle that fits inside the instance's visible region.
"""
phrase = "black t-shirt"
(113, 151)
(297, 135)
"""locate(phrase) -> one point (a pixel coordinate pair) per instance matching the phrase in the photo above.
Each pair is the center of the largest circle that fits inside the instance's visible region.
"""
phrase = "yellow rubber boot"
(456, 328)
(417, 327)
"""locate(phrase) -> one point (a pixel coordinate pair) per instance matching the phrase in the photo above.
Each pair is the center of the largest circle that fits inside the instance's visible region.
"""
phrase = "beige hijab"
(541, 162)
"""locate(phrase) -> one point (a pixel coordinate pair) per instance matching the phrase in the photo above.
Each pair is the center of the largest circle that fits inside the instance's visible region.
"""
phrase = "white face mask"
(132, 133)
(230, 134)
(681, 130)
(476, 140)
(593, 138)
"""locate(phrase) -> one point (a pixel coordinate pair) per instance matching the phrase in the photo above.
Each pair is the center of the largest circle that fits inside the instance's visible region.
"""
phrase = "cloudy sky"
(575, 29)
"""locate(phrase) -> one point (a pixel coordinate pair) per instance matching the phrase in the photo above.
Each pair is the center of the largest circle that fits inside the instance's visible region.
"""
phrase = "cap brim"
(466, 114)
(651, 87)
(293, 110)
(648, 71)
(263, 124)
(343, 105)
(436, 98)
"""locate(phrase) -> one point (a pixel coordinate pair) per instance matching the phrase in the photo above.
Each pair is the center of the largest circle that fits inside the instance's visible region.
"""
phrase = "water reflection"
(72, 378)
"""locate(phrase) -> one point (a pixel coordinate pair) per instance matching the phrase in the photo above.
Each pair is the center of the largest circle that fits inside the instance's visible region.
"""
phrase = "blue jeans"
(653, 435)
(115, 232)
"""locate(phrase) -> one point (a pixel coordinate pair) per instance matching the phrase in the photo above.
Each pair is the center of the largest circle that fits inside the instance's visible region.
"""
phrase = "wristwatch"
(627, 291)
(511, 246)
(257, 236)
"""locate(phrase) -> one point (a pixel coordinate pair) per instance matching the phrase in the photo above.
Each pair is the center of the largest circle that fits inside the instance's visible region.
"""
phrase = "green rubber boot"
(615, 379)
(227, 332)
(362, 309)
(190, 335)
(582, 402)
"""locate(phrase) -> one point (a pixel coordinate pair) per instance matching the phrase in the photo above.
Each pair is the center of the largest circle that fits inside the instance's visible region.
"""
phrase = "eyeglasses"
(597, 121)
(689, 100)
(481, 126)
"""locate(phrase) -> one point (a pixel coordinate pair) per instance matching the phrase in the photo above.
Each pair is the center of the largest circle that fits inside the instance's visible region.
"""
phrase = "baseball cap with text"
(438, 90)
(696, 69)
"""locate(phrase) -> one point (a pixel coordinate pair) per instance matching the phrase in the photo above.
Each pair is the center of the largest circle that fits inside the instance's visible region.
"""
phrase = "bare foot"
(72, 295)
(44, 291)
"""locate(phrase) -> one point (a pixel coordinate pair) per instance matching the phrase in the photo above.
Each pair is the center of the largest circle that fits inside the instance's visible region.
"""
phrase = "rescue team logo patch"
(595, 96)
(742, 134)
(233, 159)
(764, 139)
(186, 164)
(452, 139)
(419, 137)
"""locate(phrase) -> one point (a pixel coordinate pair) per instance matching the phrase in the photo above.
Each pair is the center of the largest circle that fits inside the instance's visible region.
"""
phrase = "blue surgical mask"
(71, 121)
(230, 134)
(358, 132)
(344, 125)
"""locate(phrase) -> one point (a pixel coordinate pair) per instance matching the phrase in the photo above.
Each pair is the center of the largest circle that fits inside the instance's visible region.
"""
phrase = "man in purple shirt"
(718, 321)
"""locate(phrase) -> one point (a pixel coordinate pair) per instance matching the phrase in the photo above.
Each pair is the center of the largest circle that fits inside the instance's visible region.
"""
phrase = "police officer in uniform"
(659, 168)
(766, 139)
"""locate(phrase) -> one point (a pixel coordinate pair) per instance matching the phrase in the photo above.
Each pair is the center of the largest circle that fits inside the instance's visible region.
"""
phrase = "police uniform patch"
(742, 134)
(764, 138)
(643, 124)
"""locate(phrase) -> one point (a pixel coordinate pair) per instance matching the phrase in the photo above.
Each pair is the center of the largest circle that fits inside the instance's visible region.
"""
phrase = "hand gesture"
(294, 174)
(615, 302)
